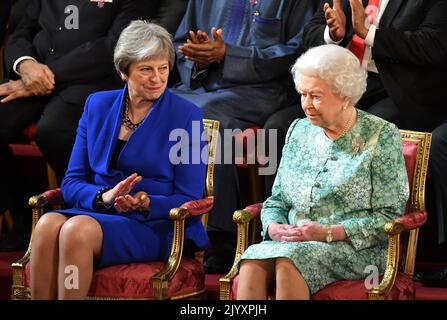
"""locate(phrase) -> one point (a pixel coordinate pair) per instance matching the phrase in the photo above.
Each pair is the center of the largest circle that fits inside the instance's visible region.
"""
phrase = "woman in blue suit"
(123, 177)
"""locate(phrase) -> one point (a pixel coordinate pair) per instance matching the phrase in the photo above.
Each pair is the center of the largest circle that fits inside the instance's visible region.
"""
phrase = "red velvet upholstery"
(30, 132)
(254, 209)
(30, 150)
(134, 280)
(413, 220)
(25, 150)
(54, 196)
(199, 207)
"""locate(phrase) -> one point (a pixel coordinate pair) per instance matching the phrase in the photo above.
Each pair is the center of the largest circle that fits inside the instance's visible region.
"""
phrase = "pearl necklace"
(349, 124)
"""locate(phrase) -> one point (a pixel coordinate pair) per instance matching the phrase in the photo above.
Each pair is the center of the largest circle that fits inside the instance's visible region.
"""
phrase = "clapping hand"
(335, 20)
(202, 51)
(122, 200)
(359, 18)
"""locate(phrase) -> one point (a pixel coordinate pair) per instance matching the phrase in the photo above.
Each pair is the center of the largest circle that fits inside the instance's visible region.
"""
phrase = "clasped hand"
(309, 231)
(122, 200)
(14, 89)
(201, 50)
(36, 80)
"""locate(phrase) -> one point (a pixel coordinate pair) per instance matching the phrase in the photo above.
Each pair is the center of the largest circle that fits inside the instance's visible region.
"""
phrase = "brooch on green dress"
(357, 145)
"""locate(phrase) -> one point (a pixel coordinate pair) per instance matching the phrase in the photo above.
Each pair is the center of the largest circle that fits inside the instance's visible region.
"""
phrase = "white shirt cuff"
(16, 63)
(327, 37)
(369, 40)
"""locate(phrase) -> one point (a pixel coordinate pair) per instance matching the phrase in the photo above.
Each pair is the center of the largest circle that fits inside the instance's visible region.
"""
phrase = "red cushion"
(134, 280)
(25, 150)
(199, 207)
(30, 132)
(403, 289)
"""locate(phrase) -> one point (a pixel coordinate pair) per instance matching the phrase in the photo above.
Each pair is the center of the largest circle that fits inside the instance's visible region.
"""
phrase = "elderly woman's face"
(148, 79)
(321, 105)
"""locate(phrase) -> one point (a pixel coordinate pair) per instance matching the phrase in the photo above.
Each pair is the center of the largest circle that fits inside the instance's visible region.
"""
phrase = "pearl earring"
(345, 107)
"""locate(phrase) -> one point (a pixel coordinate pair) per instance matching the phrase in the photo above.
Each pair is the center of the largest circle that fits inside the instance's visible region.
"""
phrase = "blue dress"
(358, 180)
(172, 124)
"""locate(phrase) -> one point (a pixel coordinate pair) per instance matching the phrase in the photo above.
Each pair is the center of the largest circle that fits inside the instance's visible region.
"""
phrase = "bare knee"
(49, 225)
(81, 232)
(285, 265)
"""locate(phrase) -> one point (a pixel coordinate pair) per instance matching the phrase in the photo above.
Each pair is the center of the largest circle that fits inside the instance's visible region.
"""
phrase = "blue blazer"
(147, 152)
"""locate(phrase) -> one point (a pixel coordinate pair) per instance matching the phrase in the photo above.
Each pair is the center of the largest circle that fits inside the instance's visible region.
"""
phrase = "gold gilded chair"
(180, 277)
(397, 281)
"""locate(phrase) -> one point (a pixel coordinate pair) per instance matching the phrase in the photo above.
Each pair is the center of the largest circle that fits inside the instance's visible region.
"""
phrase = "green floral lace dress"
(358, 180)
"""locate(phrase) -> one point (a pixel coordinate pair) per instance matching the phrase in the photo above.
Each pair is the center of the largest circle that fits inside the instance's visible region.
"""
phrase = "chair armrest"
(408, 222)
(254, 209)
(52, 197)
(199, 207)
(413, 220)
(242, 219)
(160, 281)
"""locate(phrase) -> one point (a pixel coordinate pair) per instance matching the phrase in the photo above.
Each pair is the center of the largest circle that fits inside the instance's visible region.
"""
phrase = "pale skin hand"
(37, 77)
(335, 20)
(121, 198)
(358, 18)
(284, 232)
(14, 89)
(309, 231)
(202, 51)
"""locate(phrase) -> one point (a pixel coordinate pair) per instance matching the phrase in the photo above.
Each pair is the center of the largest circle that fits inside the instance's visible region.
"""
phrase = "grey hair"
(142, 40)
(336, 65)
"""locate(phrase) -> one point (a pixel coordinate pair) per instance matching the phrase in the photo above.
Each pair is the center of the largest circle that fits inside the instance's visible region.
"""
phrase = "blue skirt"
(127, 240)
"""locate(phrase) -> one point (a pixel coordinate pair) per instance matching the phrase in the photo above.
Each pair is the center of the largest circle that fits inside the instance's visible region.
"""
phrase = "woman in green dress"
(342, 177)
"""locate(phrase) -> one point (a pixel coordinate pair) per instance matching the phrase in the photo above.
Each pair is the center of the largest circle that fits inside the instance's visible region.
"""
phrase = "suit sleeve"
(314, 31)
(424, 46)
(76, 187)
(188, 23)
(189, 177)
(5, 10)
(20, 43)
(389, 191)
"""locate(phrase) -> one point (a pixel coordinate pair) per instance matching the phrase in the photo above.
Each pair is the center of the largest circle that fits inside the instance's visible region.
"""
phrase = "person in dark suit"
(405, 55)
(59, 53)
(122, 181)
(5, 10)
(438, 170)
